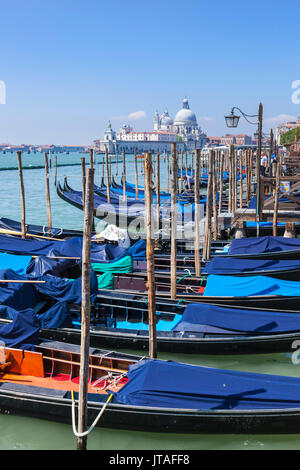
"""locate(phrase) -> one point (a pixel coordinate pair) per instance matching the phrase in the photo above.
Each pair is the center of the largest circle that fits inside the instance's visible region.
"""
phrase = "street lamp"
(232, 120)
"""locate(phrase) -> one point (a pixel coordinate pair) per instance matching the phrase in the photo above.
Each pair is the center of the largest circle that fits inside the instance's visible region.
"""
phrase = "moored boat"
(146, 394)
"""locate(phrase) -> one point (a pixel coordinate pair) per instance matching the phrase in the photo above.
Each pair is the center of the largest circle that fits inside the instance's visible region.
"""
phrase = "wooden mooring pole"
(221, 182)
(124, 177)
(48, 203)
(107, 176)
(150, 254)
(136, 175)
(197, 213)
(22, 191)
(55, 171)
(85, 311)
(276, 196)
(158, 191)
(91, 158)
(83, 180)
(174, 180)
(207, 234)
(168, 173)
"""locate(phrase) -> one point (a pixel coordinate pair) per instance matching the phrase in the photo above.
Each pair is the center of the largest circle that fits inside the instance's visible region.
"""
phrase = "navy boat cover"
(241, 246)
(210, 318)
(157, 383)
(100, 253)
(18, 263)
(248, 286)
(59, 289)
(22, 332)
(55, 292)
(226, 265)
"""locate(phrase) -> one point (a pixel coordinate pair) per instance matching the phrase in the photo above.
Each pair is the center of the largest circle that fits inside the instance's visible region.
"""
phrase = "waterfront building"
(213, 141)
(185, 126)
(184, 130)
(284, 127)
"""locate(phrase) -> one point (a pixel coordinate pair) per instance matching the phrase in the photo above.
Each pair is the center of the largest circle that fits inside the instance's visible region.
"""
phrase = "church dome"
(185, 115)
(165, 119)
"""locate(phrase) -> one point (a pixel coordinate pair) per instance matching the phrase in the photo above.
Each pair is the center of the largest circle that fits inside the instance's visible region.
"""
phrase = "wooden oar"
(32, 235)
(13, 232)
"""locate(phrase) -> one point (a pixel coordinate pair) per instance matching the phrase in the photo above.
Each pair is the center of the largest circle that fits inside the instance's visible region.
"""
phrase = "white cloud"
(206, 118)
(280, 118)
(134, 116)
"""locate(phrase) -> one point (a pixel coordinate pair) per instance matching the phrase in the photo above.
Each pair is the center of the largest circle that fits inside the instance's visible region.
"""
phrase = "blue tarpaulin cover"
(56, 288)
(157, 383)
(248, 286)
(266, 244)
(226, 265)
(58, 316)
(17, 295)
(63, 290)
(18, 263)
(42, 265)
(22, 296)
(19, 300)
(209, 318)
(23, 331)
(72, 247)
(161, 325)
(138, 250)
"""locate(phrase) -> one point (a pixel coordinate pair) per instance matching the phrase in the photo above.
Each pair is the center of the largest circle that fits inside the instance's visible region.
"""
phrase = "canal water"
(24, 433)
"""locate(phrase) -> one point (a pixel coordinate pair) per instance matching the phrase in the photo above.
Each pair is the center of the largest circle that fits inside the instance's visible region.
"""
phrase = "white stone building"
(184, 126)
(184, 130)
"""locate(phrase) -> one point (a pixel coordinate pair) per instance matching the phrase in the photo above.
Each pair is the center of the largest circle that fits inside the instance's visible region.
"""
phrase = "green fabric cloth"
(124, 265)
(106, 281)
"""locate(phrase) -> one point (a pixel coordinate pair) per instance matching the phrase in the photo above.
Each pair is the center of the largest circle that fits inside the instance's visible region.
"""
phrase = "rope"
(187, 275)
(76, 433)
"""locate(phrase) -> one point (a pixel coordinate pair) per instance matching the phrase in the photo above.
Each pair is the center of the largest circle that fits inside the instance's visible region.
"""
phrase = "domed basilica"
(184, 125)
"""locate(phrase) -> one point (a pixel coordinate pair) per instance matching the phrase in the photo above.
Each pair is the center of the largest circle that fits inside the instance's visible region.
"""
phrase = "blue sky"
(71, 65)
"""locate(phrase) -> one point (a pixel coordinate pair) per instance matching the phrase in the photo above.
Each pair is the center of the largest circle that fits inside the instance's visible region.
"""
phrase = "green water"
(33, 434)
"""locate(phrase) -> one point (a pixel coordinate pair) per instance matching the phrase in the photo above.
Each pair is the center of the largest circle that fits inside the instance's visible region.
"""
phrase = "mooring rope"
(77, 434)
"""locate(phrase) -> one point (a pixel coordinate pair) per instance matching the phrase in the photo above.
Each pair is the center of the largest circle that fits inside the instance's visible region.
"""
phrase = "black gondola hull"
(187, 343)
(156, 419)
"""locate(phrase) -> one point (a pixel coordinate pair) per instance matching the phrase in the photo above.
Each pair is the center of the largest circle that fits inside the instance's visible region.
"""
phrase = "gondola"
(254, 291)
(122, 321)
(261, 248)
(39, 230)
(131, 190)
(185, 197)
(120, 214)
(147, 394)
(286, 269)
(268, 248)
(116, 214)
(195, 328)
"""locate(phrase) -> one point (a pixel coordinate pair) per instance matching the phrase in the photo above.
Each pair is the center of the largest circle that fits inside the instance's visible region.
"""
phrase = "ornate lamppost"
(232, 120)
